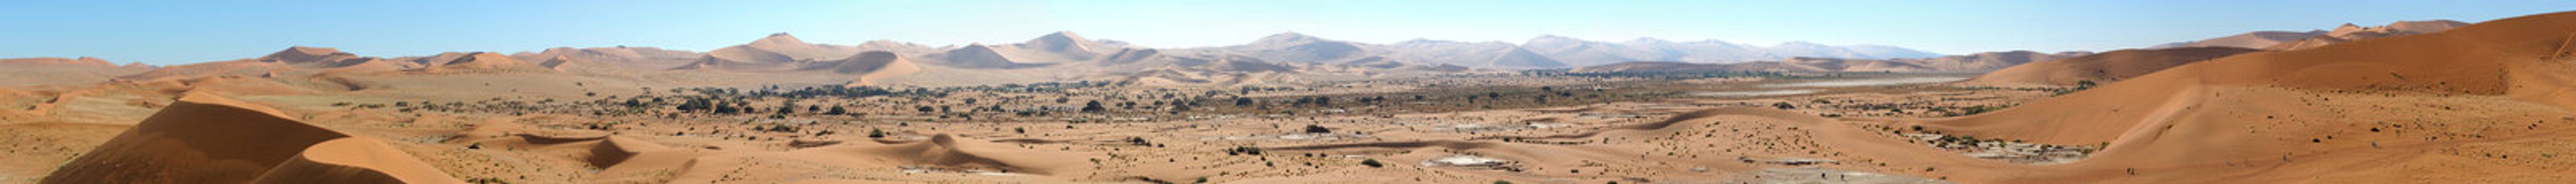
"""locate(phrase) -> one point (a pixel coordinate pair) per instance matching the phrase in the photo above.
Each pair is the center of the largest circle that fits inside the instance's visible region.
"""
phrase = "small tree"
(1319, 129)
(1139, 141)
(726, 108)
(1093, 106)
(1782, 105)
(1372, 163)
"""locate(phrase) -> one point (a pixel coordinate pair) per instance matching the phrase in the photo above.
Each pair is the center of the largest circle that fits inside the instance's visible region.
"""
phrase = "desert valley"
(2434, 101)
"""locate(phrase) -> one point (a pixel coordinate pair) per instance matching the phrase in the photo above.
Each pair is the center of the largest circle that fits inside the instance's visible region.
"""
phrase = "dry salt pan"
(1463, 160)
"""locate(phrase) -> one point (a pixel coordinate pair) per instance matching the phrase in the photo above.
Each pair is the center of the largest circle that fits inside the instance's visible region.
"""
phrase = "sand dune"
(773, 53)
(1058, 47)
(2104, 67)
(976, 56)
(795, 49)
(212, 139)
(872, 65)
(486, 62)
(312, 57)
(740, 58)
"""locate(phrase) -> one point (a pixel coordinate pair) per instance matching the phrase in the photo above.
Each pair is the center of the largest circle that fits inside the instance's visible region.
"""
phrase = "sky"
(180, 32)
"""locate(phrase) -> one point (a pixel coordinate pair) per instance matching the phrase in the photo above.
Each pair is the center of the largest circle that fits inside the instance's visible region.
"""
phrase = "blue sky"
(178, 32)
